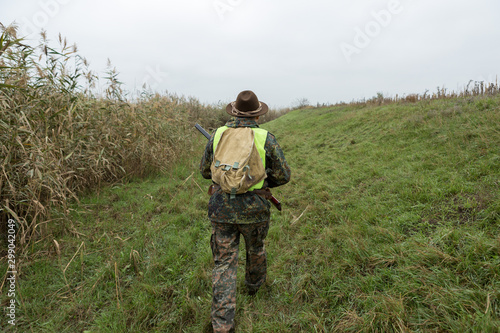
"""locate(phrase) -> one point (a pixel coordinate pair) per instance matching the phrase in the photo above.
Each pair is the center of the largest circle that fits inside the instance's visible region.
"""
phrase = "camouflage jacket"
(247, 207)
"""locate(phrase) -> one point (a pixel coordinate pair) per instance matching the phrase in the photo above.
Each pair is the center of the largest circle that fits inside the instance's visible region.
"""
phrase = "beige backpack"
(237, 165)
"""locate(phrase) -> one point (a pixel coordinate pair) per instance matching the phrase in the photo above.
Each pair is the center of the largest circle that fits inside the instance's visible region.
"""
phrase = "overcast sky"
(325, 51)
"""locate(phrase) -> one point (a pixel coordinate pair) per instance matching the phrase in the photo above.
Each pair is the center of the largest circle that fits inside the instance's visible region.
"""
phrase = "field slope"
(390, 224)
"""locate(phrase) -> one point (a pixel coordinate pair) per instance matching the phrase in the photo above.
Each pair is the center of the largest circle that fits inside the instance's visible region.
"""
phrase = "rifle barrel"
(202, 130)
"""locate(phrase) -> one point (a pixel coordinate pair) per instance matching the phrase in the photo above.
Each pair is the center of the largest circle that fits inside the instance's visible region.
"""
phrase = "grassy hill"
(390, 224)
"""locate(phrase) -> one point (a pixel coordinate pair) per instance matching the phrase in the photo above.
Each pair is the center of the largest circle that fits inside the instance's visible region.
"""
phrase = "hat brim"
(265, 108)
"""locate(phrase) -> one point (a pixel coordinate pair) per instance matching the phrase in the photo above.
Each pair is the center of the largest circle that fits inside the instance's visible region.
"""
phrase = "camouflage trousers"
(225, 242)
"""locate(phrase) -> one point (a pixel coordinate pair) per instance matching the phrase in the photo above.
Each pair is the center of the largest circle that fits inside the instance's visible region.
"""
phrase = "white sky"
(282, 50)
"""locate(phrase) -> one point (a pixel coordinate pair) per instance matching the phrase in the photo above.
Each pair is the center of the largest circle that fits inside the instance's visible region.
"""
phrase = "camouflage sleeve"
(206, 160)
(277, 168)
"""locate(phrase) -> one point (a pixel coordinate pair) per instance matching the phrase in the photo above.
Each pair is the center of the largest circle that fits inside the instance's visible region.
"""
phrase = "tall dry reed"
(58, 137)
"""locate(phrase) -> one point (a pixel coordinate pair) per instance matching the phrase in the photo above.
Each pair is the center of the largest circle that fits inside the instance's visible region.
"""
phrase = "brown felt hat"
(247, 105)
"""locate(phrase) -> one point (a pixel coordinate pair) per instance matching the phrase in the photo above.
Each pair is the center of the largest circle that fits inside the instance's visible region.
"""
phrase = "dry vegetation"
(473, 88)
(59, 139)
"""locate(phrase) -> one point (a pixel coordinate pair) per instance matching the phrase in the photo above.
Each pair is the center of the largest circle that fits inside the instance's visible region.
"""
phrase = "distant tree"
(300, 103)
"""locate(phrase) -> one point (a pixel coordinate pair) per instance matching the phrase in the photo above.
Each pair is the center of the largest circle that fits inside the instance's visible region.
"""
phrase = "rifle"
(273, 200)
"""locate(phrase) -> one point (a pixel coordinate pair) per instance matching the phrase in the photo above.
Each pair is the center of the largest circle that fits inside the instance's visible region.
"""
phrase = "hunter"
(235, 213)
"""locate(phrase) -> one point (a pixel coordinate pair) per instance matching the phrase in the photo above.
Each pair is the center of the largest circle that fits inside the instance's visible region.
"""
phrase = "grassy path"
(390, 224)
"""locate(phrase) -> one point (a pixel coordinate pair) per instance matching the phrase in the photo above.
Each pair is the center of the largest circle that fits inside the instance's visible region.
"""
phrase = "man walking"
(233, 213)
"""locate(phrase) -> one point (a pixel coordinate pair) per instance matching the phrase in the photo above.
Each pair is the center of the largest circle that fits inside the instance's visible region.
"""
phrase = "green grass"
(390, 224)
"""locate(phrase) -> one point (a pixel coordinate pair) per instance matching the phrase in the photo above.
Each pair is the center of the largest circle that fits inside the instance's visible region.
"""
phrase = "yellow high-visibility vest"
(260, 136)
